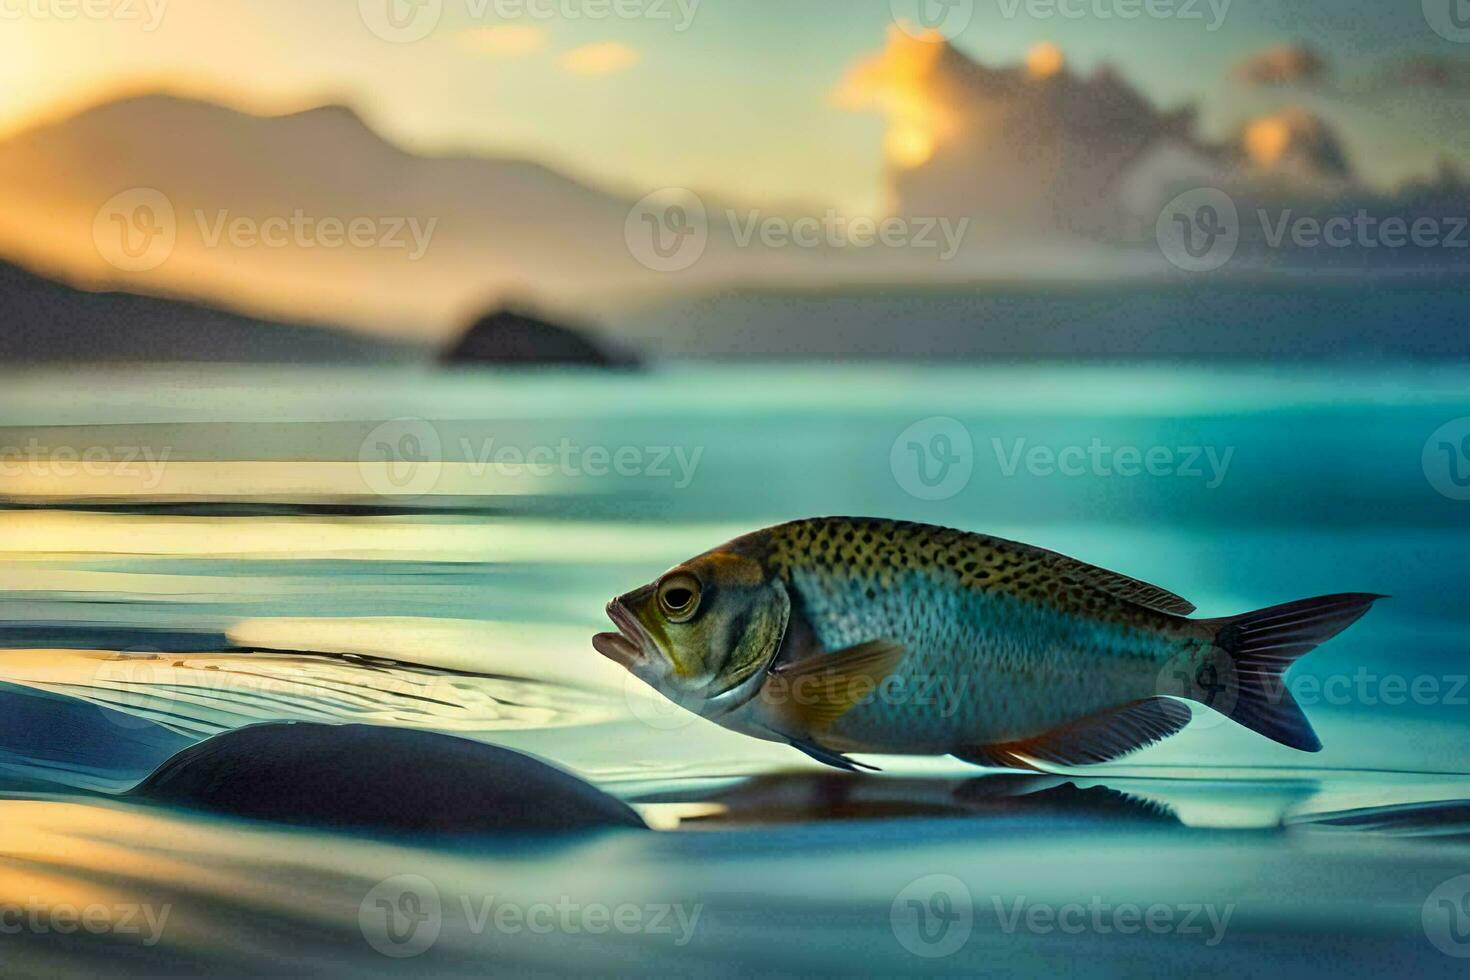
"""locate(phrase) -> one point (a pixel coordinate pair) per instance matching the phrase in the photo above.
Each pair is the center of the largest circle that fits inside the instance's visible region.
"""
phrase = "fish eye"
(678, 596)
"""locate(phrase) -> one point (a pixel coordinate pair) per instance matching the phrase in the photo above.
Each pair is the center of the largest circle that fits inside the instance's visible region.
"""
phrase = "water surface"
(184, 552)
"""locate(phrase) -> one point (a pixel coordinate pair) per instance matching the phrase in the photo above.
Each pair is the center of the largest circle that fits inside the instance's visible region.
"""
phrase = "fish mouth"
(629, 644)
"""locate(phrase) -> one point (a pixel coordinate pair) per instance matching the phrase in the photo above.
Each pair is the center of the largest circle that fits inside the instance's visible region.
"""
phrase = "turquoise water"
(184, 552)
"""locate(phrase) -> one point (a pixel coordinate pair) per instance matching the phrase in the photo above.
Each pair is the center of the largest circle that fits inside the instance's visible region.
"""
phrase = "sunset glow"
(1266, 140)
(601, 58)
(897, 83)
(1044, 60)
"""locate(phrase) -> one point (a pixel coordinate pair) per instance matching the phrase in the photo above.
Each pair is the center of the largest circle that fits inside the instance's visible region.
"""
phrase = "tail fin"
(1261, 645)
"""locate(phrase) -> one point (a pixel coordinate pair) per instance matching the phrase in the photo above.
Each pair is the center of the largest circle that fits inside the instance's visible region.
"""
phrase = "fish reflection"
(792, 797)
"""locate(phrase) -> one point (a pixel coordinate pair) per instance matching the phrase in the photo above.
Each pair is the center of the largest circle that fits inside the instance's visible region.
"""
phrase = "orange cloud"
(504, 40)
(600, 58)
(898, 83)
(1044, 60)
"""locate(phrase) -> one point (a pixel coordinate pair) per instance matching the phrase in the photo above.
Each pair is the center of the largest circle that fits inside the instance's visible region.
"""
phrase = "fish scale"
(1000, 667)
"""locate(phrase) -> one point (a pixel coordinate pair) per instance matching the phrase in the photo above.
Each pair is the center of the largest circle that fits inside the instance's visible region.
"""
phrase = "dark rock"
(378, 779)
(514, 339)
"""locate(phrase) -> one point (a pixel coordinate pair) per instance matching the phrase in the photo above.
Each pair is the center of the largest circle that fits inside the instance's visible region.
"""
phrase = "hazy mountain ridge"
(1041, 174)
(490, 225)
(44, 320)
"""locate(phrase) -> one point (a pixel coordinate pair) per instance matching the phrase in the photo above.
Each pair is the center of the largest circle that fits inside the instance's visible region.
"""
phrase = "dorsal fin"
(980, 560)
(1114, 583)
(1125, 587)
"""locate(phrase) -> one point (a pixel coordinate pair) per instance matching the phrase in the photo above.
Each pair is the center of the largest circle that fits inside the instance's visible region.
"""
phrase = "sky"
(731, 97)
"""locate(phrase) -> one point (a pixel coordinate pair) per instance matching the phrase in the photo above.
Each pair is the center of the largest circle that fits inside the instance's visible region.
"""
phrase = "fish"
(846, 635)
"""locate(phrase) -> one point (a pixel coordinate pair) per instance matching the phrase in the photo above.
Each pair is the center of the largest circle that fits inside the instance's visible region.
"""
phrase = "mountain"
(48, 321)
(177, 196)
(1025, 172)
(260, 208)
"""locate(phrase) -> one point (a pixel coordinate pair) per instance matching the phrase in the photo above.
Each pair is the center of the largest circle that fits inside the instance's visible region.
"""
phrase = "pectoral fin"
(835, 759)
(808, 696)
(1097, 738)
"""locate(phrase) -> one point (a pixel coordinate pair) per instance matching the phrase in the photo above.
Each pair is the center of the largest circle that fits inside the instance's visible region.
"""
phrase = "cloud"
(1282, 64)
(1426, 71)
(1028, 150)
(601, 58)
(1044, 60)
(1294, 141)
(504, 40)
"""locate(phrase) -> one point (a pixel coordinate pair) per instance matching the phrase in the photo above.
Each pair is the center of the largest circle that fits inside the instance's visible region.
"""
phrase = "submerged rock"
(513, 339)
(371, 778)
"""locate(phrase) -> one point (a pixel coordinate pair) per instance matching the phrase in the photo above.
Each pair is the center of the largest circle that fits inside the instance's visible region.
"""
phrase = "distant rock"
(515, 339)
(377, 779)
(47, 320)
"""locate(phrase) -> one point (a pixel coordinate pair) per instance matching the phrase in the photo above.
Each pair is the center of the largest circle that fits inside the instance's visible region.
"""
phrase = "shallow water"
(186, 552)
